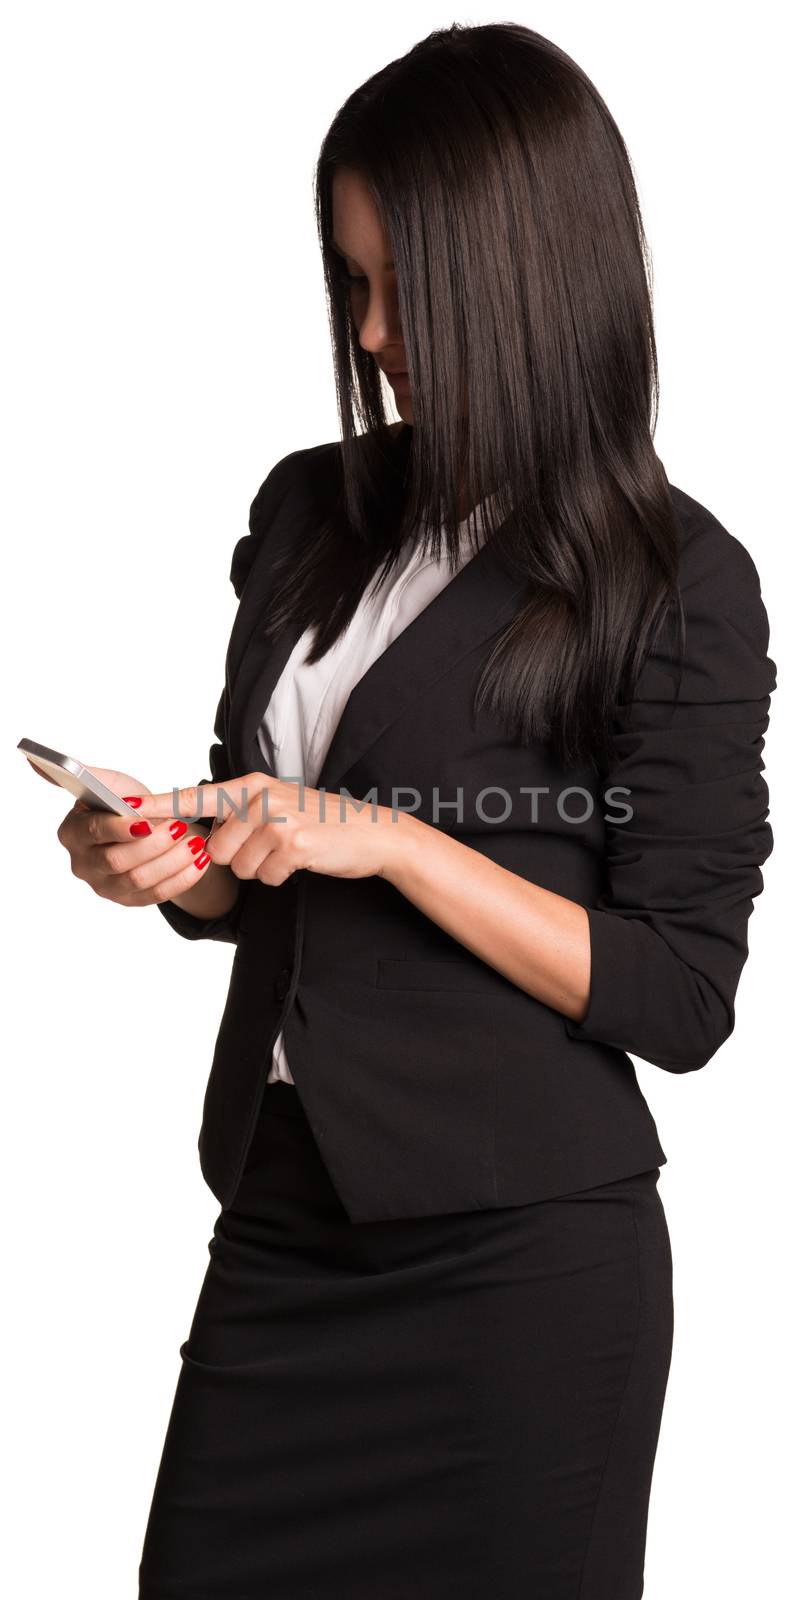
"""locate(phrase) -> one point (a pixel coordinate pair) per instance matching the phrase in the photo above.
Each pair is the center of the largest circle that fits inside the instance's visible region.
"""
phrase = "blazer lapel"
(262, 663)
(471, 606)
(475, 603)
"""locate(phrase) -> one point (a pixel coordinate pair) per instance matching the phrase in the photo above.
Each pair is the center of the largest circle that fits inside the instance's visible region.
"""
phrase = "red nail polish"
(132, 799)
(197, 843)
(202, 860)
(140, 829)
(177, 829)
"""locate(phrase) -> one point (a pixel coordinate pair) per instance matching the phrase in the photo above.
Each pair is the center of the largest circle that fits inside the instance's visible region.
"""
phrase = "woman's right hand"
(120, 865)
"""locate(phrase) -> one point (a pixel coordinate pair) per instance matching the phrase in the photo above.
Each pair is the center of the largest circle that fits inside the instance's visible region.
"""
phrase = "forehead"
(357, 228)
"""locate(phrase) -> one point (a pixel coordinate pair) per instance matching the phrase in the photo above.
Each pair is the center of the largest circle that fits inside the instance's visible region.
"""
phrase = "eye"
(348, 277)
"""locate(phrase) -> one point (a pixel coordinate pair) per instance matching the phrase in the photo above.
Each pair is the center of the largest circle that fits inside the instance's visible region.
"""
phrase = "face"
(359, 237)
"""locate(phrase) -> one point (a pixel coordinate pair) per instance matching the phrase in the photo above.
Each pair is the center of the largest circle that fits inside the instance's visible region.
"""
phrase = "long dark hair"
(524, 281)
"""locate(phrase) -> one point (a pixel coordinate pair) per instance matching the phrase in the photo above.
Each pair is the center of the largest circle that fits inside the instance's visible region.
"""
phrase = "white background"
(164, 344)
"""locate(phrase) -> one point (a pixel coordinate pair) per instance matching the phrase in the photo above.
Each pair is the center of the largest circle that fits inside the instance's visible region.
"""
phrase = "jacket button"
(282, 983)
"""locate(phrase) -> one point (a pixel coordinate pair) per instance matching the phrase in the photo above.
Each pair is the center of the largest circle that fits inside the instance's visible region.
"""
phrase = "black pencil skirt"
(427, 1408)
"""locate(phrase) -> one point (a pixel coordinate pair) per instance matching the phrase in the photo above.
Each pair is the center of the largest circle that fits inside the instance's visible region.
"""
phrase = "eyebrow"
(386, 264)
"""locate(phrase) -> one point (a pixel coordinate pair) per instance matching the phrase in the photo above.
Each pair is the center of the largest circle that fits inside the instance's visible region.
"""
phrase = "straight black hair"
(524, 282)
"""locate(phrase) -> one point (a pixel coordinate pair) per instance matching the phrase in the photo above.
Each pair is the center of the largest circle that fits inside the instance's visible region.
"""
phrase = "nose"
(381, 325)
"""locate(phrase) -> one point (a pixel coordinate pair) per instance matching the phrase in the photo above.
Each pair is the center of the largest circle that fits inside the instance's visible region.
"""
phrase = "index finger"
(199, 800)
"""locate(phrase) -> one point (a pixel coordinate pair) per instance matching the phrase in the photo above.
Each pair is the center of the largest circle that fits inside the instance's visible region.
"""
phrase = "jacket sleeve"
(262, 512)
(223, 928)
(668, 935)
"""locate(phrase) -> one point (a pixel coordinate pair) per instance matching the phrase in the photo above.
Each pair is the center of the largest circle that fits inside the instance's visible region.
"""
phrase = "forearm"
(537, 939)
(213, 895)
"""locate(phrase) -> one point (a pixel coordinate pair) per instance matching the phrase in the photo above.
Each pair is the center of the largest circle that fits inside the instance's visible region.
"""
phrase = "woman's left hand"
(284, 826)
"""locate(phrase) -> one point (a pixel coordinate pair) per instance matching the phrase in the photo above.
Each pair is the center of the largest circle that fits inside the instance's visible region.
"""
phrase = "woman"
(488, 813)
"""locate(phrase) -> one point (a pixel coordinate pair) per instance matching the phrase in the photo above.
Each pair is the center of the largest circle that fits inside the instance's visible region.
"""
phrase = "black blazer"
(432, 1083)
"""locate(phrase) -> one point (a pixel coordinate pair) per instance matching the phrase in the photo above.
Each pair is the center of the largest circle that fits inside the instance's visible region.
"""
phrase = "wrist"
(402, 837)
(214, 894)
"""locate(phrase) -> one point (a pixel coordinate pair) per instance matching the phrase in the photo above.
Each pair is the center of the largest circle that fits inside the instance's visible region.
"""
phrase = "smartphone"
(72, 775)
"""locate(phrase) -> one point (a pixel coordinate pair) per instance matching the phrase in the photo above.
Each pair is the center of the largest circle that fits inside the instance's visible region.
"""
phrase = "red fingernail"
(197, 843)
(140, 829)
(132, 799)
(202, 860)
(177, 829)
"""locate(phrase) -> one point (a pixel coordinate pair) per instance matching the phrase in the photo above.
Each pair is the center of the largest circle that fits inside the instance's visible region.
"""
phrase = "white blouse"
(303, 713)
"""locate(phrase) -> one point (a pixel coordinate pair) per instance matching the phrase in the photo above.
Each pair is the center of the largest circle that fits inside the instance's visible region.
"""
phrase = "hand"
(118, 865)
(319, 832)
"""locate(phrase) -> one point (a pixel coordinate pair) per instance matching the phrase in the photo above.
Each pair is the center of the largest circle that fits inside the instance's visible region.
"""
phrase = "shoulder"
(313, 471)
(289, 486)
(301, 481)
(727, 631)
(715, 567)
(292, 472)
(313, 467)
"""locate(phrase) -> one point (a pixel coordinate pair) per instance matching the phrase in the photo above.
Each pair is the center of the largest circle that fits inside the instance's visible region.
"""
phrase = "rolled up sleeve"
(669, 931)
(263, 510)
(223, 928)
